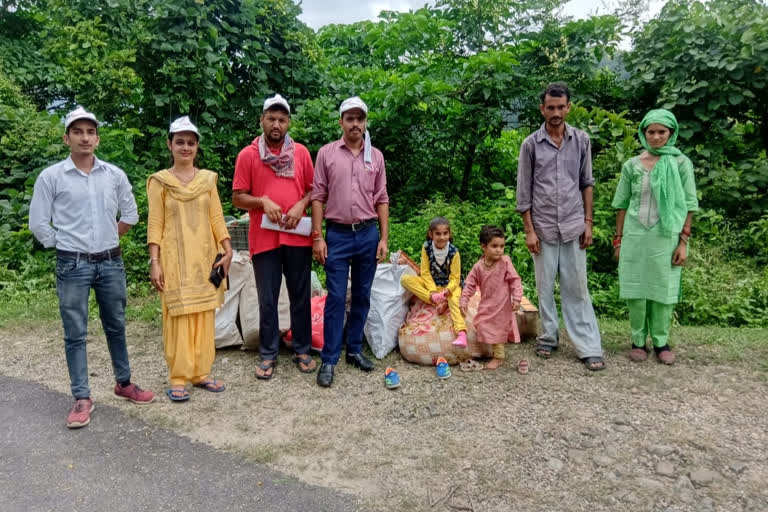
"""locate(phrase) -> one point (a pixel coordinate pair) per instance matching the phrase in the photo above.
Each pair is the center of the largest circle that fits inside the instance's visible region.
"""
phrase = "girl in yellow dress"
(185, 232)
(439, 282)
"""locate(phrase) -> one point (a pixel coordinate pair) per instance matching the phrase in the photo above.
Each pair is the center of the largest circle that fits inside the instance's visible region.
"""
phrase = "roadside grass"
(706, 345)
(747, 346)
(22, 309)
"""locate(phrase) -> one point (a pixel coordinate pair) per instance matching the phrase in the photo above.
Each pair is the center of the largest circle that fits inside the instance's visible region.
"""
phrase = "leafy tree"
(708, 63)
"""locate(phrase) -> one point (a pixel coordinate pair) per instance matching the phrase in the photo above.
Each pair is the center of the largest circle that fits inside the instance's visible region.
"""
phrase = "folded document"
(304, 227)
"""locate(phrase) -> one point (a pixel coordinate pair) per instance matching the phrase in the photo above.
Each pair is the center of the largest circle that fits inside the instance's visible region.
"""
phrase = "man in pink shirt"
(350, 180)
(273, 177)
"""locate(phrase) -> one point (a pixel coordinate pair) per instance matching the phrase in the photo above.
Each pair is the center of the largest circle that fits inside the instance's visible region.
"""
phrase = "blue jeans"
(74, 279)
(356, 249)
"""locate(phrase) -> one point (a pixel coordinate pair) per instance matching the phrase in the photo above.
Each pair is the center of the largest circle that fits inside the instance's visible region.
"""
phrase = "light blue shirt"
(75, 211)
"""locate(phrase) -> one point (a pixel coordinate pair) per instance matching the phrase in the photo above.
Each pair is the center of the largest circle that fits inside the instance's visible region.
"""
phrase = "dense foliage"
(453, 90)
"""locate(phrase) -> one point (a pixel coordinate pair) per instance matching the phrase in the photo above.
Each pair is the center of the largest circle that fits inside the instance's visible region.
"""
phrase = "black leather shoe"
(325, 375)
(359, 361)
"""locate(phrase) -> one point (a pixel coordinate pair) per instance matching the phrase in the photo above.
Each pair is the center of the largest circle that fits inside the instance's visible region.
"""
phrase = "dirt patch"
(635, 437)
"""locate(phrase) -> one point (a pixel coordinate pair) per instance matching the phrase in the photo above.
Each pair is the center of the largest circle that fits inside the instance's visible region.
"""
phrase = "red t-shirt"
(258, 179)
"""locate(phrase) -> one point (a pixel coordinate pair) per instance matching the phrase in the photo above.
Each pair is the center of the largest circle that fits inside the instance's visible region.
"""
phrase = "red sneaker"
(134, 393)
(80, 415)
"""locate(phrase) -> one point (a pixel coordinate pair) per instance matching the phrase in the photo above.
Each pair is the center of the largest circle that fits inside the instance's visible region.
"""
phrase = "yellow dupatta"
(188, 224)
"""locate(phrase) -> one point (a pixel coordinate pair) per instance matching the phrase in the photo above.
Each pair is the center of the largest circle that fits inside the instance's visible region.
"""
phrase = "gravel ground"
(636, 437)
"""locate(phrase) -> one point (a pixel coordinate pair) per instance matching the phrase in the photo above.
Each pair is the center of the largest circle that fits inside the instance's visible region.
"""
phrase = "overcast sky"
(323, 12)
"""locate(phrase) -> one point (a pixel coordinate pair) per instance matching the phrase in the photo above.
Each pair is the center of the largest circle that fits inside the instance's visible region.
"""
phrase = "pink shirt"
(349, 190)
(499, 286)
(258, 179)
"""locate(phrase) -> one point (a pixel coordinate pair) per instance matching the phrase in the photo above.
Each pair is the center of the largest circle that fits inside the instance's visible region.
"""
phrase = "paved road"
(119, 463)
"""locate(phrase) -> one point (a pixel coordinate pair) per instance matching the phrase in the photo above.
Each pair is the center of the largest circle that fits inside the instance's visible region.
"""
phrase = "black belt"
(358, 226)
(95, 257)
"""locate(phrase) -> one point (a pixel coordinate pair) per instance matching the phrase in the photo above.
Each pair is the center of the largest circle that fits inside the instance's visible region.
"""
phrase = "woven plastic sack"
(425, 336)
(389, 307)
(240, 280)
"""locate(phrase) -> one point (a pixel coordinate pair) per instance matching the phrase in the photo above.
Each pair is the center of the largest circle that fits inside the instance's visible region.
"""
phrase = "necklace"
(194, 173)
(486, 265)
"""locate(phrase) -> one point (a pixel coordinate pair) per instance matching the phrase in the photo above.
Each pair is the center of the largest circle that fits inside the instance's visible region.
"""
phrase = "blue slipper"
(177, 398)
(212, 385)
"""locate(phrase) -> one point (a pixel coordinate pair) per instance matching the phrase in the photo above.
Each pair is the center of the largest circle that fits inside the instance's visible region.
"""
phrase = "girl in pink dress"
(501, 291)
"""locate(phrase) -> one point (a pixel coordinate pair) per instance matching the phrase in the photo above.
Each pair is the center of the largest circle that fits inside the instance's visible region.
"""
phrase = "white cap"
(276, 100)
(353, 102)
(78, 114)
(183, 124)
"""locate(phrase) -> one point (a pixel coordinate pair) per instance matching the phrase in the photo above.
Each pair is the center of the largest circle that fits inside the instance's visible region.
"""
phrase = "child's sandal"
(470, 365)
(522, 367)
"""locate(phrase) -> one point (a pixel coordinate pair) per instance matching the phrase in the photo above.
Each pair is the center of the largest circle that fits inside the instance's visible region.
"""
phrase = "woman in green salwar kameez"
(655, 199)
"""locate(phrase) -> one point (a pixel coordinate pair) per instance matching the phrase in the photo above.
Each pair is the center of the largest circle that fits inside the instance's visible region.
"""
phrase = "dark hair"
(556, 90)
(439, 221)
(197, 138)
(489, 232)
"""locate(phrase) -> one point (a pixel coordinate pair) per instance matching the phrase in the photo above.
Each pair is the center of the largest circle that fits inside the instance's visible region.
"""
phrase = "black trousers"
(269, 267)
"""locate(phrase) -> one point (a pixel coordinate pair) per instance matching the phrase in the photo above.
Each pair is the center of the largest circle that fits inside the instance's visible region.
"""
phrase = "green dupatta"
(666, 186)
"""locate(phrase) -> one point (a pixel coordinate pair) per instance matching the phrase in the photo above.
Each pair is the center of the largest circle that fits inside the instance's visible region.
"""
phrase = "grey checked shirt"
(550, 181)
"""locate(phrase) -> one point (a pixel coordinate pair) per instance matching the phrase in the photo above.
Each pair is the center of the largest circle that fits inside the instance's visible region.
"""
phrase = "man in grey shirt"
(554, 196)
(74, 209)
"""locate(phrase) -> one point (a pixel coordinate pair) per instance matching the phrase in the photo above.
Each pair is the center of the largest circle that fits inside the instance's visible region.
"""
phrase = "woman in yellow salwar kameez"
(185, 232)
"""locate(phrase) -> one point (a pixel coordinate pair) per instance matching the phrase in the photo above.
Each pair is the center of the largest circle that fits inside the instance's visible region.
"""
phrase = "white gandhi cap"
(276, 100)
(353, 102)
(78, 114)
(183, 124)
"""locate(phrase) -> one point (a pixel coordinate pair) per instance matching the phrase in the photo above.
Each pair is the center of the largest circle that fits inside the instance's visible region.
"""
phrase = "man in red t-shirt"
(273, 177)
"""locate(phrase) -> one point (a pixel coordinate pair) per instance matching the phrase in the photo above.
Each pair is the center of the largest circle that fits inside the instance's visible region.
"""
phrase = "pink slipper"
(638, 354)
(461, 340)
(667, 357)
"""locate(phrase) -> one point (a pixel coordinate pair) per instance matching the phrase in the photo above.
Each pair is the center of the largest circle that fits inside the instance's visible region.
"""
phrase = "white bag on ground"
(249, 312)
(240, 275)
(389, 306)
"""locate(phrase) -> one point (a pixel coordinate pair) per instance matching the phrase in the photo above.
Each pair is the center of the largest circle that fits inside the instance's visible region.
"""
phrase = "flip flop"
(298, 360)
(212, 385)
(522, 367)
(588, 361)
(470, 365)
(177, 398)
(264, 367)
(545, 351)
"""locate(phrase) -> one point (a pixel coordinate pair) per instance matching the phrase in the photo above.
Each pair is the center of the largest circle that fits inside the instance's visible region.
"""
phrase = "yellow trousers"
(498, 351)
(189, 346)
(416, 285)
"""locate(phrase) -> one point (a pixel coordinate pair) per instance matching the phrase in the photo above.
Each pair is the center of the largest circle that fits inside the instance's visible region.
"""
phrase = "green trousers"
(649, 317)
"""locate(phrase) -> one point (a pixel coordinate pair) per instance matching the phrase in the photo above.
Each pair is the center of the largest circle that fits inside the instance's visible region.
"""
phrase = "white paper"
(304, 227)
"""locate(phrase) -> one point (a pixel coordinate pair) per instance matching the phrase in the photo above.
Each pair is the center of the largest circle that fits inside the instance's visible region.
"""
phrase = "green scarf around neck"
(666, 186)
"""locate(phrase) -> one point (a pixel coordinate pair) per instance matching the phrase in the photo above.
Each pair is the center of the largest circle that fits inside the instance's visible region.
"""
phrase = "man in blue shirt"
(74, 209)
